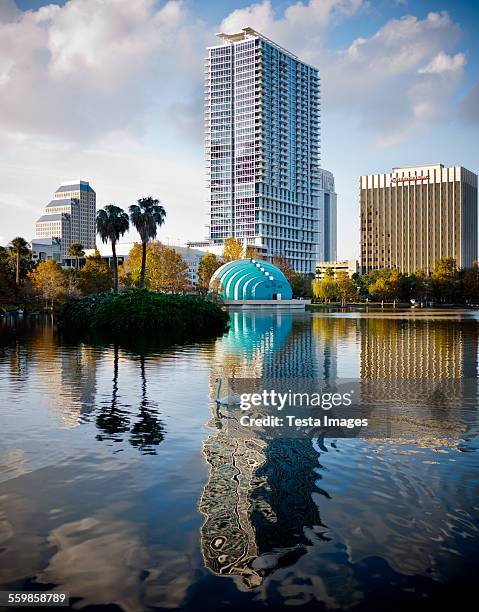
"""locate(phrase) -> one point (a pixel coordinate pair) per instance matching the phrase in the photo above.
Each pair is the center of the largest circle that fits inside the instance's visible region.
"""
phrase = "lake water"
(120, 485)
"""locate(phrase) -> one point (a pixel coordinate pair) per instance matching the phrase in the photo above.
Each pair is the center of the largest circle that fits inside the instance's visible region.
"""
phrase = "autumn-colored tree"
(345, 287)
(207, 267)
(252, 252)
(166, 270)
(232, 249)
(283, 264)
(386, 286)
(49, 280)
(325, 288)
(96, 275)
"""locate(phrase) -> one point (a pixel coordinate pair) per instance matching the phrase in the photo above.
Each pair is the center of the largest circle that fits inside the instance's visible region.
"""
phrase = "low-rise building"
(350, 266)
(46, 248)
(191, 256)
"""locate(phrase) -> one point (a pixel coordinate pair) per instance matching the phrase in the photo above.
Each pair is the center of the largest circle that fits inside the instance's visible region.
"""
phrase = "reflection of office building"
(70, 217)
(421, 349)
(421, 366)
(413, 216)
(258, 505)
(262, 148)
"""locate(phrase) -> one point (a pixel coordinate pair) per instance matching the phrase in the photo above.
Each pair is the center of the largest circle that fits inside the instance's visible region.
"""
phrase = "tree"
(444, 279)
(232, 249)
(470, 285)
(207, 267)
(7, 280)
(19, 249)
(146, 215)
(421, 285)
(49, 280)
(386, 286)
(76, 251)
(283, 264)
(252, 252)
(345, 287)
(166, 270)
(96, 275)
(301, 285)
(111, 223)
(325, 288)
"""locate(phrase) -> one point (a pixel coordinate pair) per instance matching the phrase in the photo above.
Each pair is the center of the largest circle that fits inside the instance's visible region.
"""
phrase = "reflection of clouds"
(106, 561)
(99, 560)
(13, 463)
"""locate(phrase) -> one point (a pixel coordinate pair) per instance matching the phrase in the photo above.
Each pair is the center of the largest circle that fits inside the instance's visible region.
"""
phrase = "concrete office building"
(327, 217)
(346, 265)
(413, 216)
(262, 120)
(70, 216)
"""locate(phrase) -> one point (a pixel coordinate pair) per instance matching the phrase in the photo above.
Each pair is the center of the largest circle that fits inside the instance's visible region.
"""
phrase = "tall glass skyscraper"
(262, 119)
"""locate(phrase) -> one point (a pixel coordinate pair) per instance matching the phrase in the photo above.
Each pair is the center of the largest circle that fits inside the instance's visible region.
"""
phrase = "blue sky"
(111, 91)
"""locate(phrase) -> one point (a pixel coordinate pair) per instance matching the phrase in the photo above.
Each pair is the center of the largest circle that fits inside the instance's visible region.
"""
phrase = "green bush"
(139, 312)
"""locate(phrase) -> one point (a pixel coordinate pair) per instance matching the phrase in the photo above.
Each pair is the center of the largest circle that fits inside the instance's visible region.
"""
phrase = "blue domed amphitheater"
(250, 279)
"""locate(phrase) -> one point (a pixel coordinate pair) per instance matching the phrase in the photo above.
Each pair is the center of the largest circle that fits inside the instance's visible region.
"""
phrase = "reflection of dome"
(250, 279)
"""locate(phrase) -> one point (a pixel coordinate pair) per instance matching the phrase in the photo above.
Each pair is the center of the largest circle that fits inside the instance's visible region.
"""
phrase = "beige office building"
(413, 216)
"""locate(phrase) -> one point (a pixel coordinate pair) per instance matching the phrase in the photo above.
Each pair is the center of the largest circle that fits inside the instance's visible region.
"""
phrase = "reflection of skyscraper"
(423, 369)
(67, 373)
(430, 349)
(258, 500)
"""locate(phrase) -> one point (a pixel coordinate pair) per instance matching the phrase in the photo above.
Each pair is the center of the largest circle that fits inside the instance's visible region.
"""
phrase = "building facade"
(262, 120)
(346, 265)
(46, 248)
(70, 216)
(192, 257)
(327, 217)
(413, 216)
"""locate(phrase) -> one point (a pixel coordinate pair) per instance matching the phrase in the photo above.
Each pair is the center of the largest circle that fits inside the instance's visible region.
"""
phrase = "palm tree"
(111, 223)
(146, 215)
(76, 251)
(18, 248)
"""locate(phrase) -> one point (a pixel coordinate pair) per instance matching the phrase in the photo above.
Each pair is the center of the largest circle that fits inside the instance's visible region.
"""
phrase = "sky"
(111, 91)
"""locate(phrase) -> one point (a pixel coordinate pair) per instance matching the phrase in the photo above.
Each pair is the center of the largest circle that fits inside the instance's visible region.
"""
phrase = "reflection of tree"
(113, 421)
(147, 432)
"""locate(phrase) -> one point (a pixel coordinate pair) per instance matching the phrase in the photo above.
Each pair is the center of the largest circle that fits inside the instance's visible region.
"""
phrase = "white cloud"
(300, 28)
(391, 81)
(110, 90)
(444, 63)
(83, 69)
